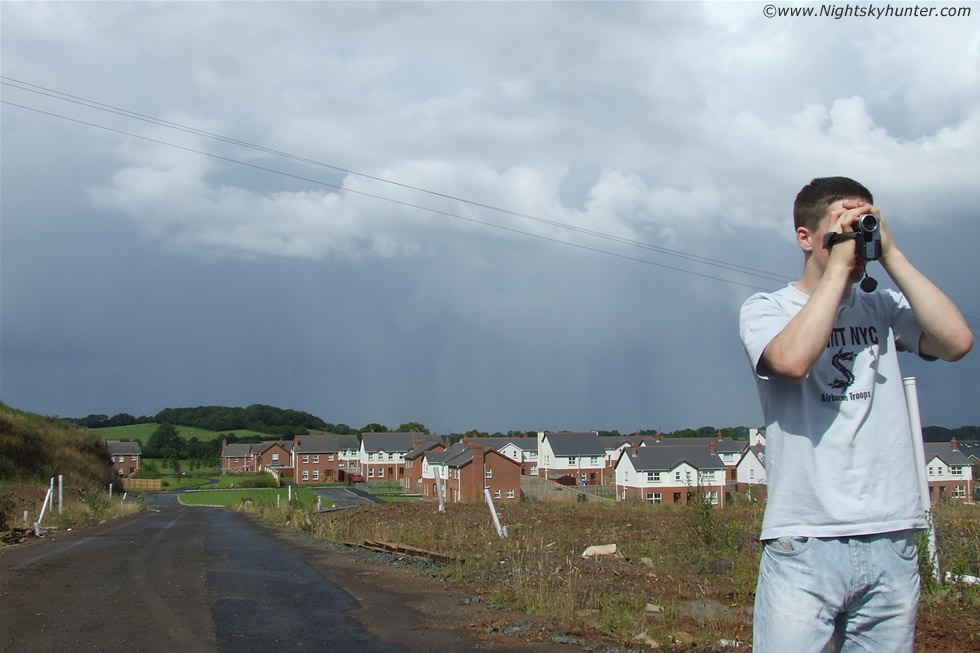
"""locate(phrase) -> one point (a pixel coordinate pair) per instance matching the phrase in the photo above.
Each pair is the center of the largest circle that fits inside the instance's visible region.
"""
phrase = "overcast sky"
(485, 216)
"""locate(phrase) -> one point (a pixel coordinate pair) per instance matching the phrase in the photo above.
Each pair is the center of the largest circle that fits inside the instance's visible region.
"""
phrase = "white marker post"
(442, 500)
(912, 402)
(61, 493)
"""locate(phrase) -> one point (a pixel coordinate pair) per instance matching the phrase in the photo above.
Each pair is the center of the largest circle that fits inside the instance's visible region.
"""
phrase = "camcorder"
(869, 237)
(867, 233)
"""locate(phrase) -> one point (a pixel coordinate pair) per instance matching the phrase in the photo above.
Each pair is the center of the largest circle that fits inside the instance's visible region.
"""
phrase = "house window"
(955, 471)
(534, 470)
(655, 497)
(510, 493)
(391, 456)
(593, 461)
(133, 458)
(306, 458)
(306, 474)
(330, 457)
(931, 471)
(370, 472)
(711, 497)
(488, 473)
(572, 460)
(275, 457)
(959, 492)
(316, 458)
(496, 494)
(236, 460)
(381, 472)
(677, 476)
(316, 474)
(653, 477)
(751, 474)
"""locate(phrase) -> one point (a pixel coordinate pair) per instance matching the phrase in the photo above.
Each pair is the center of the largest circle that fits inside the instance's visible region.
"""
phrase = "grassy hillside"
(34, 448)
(142, 432)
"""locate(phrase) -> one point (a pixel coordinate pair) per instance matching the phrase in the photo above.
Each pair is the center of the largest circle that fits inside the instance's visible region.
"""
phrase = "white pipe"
(44, 507)
(493, 513)
(915, 422)
(61, 493)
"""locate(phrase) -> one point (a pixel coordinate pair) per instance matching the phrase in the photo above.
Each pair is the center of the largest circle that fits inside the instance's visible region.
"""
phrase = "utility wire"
(40, 90)
(381, 197)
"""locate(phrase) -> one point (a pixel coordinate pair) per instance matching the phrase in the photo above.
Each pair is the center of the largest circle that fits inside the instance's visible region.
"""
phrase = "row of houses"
(636, 468)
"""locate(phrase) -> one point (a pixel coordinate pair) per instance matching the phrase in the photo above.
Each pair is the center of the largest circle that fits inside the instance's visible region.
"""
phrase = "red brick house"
(125, 456)
(469, 466)
(237, 457)
(321, 459)
(415, 464)
(273, 455)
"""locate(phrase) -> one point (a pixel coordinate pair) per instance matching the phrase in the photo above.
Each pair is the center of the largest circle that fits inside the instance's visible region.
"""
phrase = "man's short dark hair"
(812, 201)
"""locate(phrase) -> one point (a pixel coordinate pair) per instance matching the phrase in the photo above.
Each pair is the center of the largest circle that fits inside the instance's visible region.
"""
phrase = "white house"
(579, 455)
(672, 475)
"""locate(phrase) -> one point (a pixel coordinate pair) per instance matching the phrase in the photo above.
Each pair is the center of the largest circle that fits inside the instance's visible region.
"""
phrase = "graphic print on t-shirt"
(841, 337)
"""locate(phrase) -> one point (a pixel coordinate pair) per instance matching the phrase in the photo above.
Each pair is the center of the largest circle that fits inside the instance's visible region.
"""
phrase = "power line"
(380, 197)
(40, 90)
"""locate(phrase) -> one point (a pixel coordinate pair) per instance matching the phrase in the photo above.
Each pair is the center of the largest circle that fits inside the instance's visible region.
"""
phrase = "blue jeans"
(861, 592)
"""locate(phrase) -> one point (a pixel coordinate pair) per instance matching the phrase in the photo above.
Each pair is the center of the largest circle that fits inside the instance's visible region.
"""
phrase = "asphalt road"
(198, 579)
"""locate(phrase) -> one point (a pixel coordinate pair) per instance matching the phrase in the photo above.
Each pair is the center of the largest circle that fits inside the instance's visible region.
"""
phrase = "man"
(839, 562)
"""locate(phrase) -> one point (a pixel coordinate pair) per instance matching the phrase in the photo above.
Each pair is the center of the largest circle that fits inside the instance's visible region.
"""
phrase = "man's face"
(830, 223)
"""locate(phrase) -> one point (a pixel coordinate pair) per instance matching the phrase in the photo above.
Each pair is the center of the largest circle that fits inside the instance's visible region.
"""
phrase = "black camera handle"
(868, 284)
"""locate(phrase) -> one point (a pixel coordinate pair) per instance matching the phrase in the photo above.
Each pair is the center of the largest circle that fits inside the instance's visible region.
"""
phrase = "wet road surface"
(199, 579)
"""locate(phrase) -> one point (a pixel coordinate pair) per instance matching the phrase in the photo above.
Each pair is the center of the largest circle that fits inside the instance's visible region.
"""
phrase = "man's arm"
(796, 349)
(945, 333)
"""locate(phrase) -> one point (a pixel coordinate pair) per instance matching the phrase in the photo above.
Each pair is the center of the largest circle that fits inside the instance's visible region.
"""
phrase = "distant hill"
(941, 434)
(257, 418)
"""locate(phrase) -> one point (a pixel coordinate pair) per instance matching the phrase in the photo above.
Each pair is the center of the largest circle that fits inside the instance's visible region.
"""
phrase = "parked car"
(354, 478)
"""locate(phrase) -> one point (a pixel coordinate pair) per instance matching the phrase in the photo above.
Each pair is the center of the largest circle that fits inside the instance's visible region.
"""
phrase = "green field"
(233, 498)
(142, 432)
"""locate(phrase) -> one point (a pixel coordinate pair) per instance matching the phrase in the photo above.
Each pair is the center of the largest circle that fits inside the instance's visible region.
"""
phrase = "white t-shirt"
(839, 453)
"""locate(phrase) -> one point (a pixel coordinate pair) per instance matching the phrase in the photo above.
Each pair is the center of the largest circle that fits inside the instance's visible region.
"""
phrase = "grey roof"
(969, 448)
(262, 447)
(662, 459)
(723, 445)
(117, 448)
(395, 442)
(575, 444)
(459, 453)
(423, 448)
(325, 443)
(615, 441)
(945, 452)
(759, 451)
(237, 450)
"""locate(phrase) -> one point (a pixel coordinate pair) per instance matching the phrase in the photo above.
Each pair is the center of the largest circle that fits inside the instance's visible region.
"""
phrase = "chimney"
(719, 436)
(953, 444)
(479, 462)
(658, 436)
(711, 446)
(466, 438)
(525, 434)
(446, 440)
(417, 443)
(633, 449)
